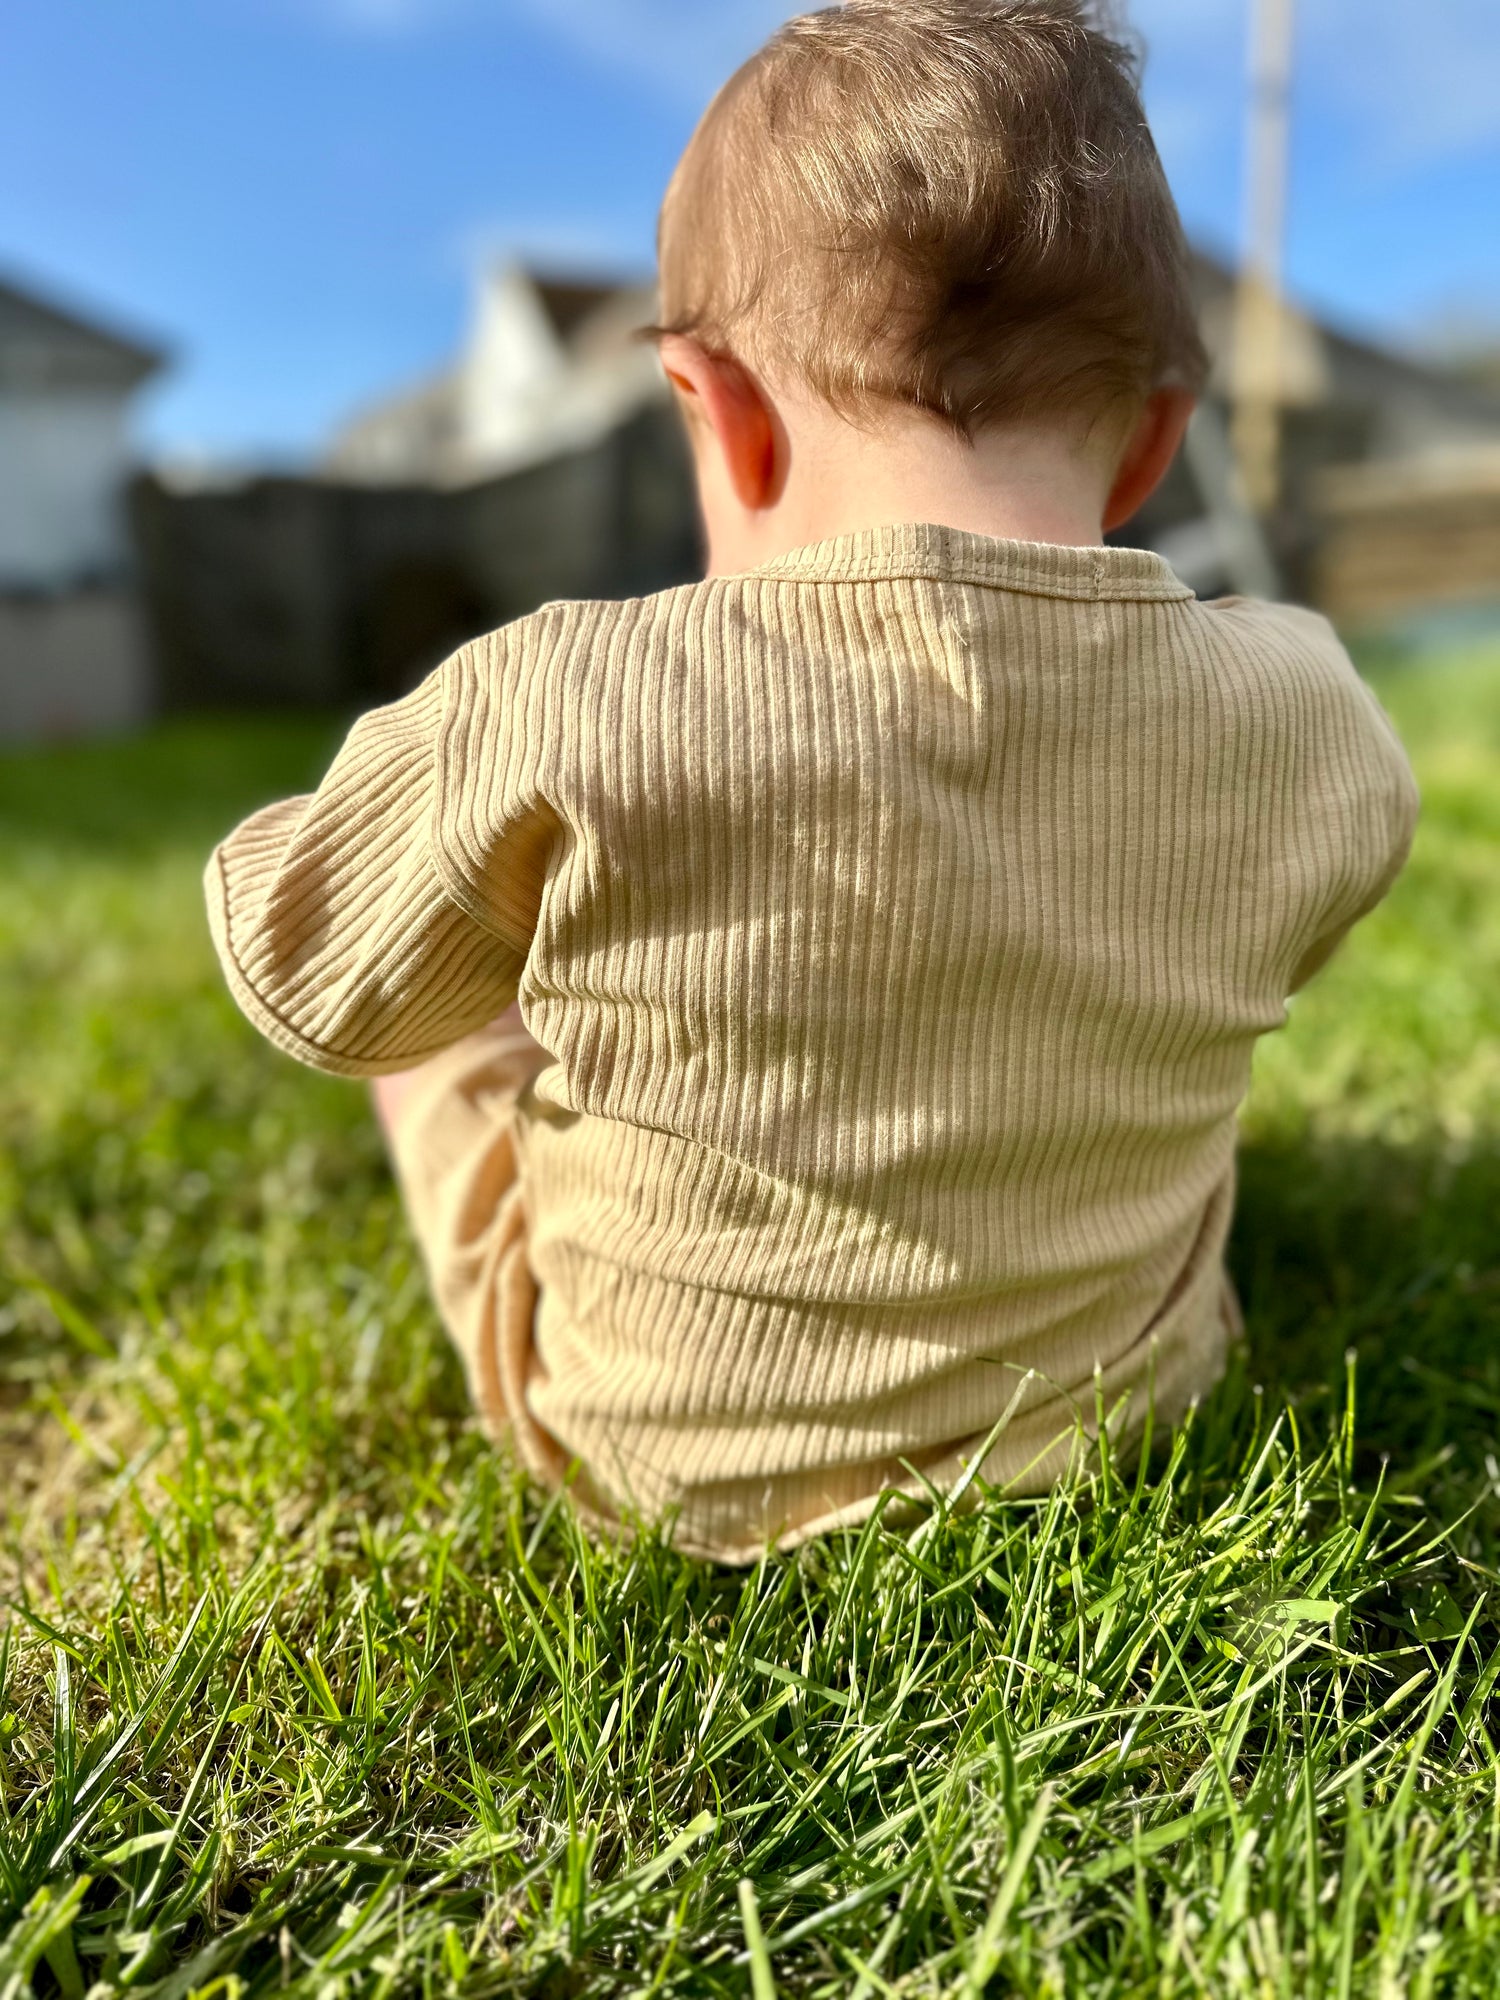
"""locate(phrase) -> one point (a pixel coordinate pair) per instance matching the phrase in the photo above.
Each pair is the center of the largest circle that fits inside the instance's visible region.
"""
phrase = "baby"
(891, 916)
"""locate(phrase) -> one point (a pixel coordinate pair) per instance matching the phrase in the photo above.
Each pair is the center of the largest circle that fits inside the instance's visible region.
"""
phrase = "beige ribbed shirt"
(901, 916)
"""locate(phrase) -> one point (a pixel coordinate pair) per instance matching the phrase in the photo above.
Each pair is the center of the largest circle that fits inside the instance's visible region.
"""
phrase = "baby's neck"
(1029, 483)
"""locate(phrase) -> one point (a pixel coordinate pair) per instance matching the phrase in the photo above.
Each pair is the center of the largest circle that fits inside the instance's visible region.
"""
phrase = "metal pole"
(1256, 429)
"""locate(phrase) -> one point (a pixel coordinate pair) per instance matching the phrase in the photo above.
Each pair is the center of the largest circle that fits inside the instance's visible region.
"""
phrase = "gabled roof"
(1366, 367)
(486, 411)
(567, 302)
(44, 344)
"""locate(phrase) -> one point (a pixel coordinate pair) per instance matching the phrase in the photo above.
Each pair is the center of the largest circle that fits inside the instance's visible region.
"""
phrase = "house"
(545, 463)
(550, 366)
(1412, 546)
(72, 656)
(1352, 412)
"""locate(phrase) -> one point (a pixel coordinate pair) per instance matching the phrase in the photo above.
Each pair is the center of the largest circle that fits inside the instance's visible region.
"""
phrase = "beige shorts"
(454, 1148)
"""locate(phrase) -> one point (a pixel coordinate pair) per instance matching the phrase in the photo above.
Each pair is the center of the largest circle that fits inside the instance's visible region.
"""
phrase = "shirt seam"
(1086, 593)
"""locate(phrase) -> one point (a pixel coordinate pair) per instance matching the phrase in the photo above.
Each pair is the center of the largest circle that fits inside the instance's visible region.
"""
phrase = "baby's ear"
(720, 393)
(682, 362)
(1149, 452)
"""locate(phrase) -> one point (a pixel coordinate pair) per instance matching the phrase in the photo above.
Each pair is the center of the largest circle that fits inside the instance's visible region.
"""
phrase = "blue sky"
(295, 193)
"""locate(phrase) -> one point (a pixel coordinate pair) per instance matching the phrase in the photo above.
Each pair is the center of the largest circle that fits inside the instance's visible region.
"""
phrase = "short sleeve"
(337, 934)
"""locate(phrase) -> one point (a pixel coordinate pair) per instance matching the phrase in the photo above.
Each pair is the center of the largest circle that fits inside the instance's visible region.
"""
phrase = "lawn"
(303, 1690)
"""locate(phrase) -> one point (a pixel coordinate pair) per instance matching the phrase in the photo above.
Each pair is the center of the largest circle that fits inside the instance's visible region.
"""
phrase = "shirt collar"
(925, 549)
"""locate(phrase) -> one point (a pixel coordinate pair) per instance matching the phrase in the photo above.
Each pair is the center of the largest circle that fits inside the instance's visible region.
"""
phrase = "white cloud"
(681, 48)
(1415, 80)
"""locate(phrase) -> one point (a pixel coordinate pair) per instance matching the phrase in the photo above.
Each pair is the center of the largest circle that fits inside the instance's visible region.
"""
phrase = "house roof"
(569, 302)
(1365, 367)
(45, 344)
(430, 430)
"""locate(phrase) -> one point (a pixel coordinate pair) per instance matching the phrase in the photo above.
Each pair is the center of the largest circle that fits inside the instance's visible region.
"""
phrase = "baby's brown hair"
(951, 204)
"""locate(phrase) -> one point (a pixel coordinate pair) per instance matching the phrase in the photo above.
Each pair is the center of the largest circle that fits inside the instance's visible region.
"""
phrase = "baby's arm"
(1314, 959)
(1377, 817)
(333, 920)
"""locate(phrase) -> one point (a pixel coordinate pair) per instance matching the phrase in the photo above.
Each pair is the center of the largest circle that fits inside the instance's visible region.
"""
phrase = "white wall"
(63, 457)
(71, 665)
(523, 396)
(513, 372)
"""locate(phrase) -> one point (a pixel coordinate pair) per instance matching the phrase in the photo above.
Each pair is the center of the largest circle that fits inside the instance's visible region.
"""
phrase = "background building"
(71, 644)
(547, 462)
(550, 366)
(1374, 443)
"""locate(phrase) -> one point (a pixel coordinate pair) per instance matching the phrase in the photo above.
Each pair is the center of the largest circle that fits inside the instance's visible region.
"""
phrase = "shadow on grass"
(1393, 1252)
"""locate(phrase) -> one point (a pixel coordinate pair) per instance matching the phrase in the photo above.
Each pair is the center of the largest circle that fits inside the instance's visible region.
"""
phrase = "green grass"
(302, 1690)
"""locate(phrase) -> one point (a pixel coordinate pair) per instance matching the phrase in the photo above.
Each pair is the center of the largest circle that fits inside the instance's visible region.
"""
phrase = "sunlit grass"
(303, 1690)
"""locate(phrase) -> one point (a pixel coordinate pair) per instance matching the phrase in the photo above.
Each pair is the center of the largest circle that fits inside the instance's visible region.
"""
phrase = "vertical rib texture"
(901, 918)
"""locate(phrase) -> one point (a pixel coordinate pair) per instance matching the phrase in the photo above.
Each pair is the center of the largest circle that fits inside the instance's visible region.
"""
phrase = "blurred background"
(316, 317)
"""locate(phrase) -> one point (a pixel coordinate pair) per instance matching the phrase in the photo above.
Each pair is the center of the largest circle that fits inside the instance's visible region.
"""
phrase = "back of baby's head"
(949, 204)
